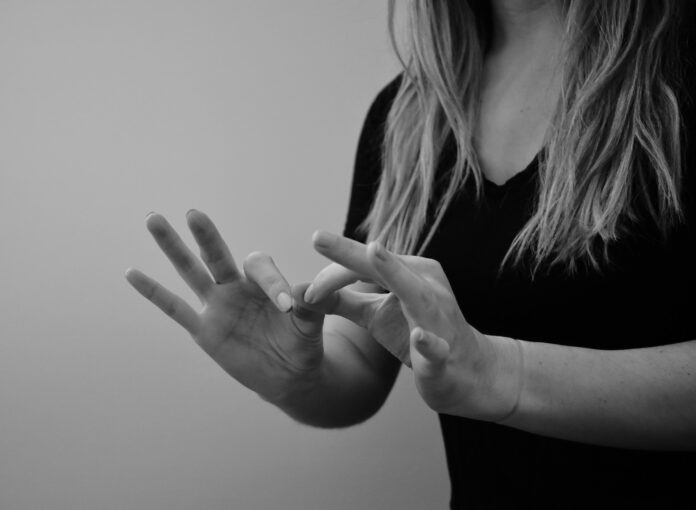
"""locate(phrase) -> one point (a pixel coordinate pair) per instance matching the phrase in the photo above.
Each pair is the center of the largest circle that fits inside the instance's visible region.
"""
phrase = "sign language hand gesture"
(245, 322)
(458, 370)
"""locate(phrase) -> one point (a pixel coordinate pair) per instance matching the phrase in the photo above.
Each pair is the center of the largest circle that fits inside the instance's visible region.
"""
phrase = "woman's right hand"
(247, 323)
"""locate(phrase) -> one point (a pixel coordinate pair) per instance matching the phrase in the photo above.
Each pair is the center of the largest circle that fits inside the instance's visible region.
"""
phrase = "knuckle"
(430, 279)
(185, 263)
(171, 308)
(150, 291)
(429, 300)
(436, 285)
(212, 254)
(426, 294)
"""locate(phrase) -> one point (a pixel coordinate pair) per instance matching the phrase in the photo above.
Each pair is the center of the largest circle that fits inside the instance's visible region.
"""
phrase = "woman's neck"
(525, 25)
(520, 85)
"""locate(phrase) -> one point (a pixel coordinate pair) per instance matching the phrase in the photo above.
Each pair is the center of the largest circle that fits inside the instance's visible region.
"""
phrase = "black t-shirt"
(645, 299)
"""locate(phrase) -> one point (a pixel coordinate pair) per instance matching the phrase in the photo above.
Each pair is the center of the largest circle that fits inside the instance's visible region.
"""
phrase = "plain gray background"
(247, 110)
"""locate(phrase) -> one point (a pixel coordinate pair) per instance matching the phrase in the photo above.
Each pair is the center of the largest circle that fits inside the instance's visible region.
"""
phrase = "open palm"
(246, 323)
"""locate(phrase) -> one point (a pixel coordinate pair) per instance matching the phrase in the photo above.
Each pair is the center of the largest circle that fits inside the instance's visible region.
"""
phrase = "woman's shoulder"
(388, 92)
(368, 160)
(368, 156)
(381, 104)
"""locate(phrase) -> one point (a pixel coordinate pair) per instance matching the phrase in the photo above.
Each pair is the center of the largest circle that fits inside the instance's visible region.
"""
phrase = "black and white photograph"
(347, 255)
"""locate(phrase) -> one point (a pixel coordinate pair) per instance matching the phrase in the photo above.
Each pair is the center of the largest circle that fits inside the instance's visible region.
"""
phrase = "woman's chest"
(513, 118)
(642, 299)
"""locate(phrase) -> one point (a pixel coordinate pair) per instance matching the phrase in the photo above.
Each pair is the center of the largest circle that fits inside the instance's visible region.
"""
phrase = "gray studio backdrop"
(247, 110)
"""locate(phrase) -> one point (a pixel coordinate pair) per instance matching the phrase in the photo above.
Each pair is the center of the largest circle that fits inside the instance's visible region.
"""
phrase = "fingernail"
(323, 239)
(418, 334)
(149, 214)
(308, 297)
(284, 302)
(190, 211)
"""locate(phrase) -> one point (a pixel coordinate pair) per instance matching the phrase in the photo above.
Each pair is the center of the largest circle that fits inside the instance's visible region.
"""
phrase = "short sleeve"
(368, 161)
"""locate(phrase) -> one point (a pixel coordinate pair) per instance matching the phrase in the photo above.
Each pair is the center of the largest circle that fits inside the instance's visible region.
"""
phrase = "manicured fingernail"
(323, 239)
(284, 302)
(308, 295)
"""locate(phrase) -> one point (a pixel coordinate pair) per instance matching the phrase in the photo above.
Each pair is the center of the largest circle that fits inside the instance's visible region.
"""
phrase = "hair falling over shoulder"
(613, 151)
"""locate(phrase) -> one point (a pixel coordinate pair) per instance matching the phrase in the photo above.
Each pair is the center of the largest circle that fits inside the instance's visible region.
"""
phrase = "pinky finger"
(433, 352)
(164, 299)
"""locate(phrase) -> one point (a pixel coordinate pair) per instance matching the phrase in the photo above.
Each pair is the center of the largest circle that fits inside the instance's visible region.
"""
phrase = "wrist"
(511, 384)
(501, 382)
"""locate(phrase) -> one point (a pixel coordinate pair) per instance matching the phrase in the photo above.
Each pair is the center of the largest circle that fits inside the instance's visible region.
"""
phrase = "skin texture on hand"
(246, 323)
(458, 370)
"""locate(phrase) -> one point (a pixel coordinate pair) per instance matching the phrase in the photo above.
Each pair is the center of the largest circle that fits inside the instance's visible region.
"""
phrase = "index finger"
(330, 279)
(348, 253)
(164, 299)
(415, 293)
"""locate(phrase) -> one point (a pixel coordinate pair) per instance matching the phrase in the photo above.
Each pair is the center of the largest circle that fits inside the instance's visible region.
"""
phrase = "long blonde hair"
(613, 148)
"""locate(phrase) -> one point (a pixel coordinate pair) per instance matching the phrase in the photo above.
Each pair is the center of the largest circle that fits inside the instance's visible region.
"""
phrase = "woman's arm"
(355, 377)
(637, 398)
(324, 374)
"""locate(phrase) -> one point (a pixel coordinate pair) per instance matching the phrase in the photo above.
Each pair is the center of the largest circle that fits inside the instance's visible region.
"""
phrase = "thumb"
(432, 350)
(308, 319)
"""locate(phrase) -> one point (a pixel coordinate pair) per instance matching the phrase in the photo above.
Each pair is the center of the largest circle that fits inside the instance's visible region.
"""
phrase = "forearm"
(642, 398)
(346, 390)
(638, 398)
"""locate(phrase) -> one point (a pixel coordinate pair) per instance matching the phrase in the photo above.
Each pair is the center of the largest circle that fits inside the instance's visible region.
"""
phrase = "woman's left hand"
(458, 370)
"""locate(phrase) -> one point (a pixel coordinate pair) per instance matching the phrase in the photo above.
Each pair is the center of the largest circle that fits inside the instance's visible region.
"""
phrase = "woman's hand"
(247, 323)
(380, 314)
(458, 370)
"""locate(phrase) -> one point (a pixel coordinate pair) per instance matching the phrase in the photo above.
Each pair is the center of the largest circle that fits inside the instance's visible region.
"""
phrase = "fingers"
(415, 293)
(214, 250)
(330, 279)
(308, 319)
(165, 300)
(260, 269)
(346, 252)
(357, 307)
(186, 263)
(380, 314)
(432, 350)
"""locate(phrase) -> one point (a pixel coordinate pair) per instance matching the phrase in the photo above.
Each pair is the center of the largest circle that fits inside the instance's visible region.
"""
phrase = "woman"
(532, 167)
